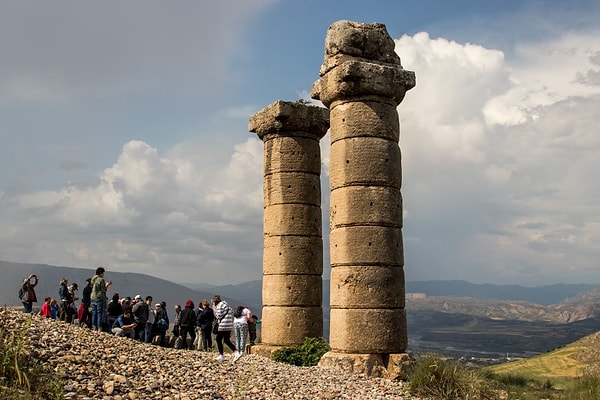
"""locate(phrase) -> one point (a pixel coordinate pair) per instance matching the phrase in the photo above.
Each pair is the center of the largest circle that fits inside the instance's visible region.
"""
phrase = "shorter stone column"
(292, 291)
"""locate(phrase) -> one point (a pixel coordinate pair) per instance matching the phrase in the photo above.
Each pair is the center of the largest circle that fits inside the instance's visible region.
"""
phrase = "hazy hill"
(544, 295)
(124, 283)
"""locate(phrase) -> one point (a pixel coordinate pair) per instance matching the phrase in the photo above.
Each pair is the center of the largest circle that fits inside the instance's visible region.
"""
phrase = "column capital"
(361, 64)
(281, 117)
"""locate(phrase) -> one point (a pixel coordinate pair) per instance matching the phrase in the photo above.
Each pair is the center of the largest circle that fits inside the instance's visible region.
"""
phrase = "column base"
(391, 366)
(264, 350)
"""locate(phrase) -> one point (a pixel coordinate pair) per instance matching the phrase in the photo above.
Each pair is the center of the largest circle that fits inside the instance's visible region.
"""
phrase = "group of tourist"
(139, 319)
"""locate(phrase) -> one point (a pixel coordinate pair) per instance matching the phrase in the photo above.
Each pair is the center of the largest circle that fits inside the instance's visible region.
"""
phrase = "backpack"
(162, 325)
(21, 293)
(238, 312)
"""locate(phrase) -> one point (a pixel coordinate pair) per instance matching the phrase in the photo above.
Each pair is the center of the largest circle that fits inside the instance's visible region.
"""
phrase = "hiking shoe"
(236, 356)
(220, 357)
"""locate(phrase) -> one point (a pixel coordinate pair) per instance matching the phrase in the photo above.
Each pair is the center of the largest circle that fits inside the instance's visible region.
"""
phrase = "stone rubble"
(101, 366)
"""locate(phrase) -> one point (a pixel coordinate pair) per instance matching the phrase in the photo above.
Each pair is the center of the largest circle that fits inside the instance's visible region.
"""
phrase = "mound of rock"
(102, 366)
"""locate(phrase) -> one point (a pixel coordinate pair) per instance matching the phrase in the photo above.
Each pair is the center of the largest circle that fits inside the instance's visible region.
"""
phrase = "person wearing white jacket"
(224, 317)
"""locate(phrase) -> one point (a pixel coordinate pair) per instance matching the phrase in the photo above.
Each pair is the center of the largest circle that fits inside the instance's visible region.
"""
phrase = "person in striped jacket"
(224, 317)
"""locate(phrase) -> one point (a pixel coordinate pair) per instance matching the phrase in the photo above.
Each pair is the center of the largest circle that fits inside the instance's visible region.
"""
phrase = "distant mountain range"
(445, 316)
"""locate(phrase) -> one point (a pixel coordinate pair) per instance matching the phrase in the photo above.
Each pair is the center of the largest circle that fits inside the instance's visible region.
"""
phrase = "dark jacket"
(140, 312)
(86, 298)
(205, 318)
(187, 317)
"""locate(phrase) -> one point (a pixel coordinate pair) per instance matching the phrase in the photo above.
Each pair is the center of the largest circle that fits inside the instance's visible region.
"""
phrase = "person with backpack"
(204, 321)
(162, 322)
(27, 293)
(241, 317)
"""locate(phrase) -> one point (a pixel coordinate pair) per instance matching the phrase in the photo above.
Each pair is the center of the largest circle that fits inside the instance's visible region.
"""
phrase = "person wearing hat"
(27, 293)
(65, 310)
(187, 324)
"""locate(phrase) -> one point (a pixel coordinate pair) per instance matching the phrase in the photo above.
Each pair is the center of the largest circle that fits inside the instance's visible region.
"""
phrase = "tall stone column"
(362, 82)
(292, 291)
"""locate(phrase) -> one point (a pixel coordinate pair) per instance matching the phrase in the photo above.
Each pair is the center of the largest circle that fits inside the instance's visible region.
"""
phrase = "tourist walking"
(241, 317)
(98, 297)
(27, 293)
(224, 317)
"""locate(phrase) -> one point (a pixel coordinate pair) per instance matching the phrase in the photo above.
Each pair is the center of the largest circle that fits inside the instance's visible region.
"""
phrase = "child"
(54, 308)
(46, 311)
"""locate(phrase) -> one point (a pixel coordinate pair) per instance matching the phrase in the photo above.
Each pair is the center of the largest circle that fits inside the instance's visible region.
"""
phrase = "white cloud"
(490, 144)
(149, 211)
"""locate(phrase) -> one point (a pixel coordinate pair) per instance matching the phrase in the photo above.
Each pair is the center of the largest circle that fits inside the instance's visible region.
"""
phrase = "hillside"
(581, 357)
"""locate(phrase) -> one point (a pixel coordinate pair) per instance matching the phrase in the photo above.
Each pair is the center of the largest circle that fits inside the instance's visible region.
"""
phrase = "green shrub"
(436, 378)
(22, 376)
(307, 354)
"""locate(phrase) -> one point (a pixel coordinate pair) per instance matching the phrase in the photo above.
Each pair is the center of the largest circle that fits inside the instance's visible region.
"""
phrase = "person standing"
(65, 310)
(114, 310)
(204, 320)
(140, 314)
(224, 316)
(187, 324)
(86, 304)
(150, 321)
(162, 321)
(27, 292)
(240, 324)
(98, 297)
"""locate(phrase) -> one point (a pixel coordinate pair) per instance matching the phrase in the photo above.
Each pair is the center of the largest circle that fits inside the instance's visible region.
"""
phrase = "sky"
(124, 133)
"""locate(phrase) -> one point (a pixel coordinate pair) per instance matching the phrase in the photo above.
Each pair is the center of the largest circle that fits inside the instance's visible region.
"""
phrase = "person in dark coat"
(204, 320)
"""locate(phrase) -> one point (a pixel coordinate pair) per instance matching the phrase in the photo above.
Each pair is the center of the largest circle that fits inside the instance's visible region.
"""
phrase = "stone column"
(292, 291)
(362, 82)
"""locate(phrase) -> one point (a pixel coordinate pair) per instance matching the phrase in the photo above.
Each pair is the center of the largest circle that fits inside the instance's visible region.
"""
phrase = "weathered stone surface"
(292, 269)
(286, 326)
(288, 117)
(363, 81)
(292, 154)
(369, 118)
(292, 219)
(292, 290)
(353, 331)
(367, 287)
(292, 187)
(366, 245)
(392, 366)
(293, 255)
(365, 161)
(366, 205)
(367, 41)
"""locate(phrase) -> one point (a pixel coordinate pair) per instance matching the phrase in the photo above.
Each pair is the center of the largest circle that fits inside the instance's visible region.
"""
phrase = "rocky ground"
(101, 366)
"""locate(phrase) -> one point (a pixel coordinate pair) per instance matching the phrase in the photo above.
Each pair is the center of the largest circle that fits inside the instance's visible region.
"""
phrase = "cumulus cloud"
(150, 211)
(493, 145)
